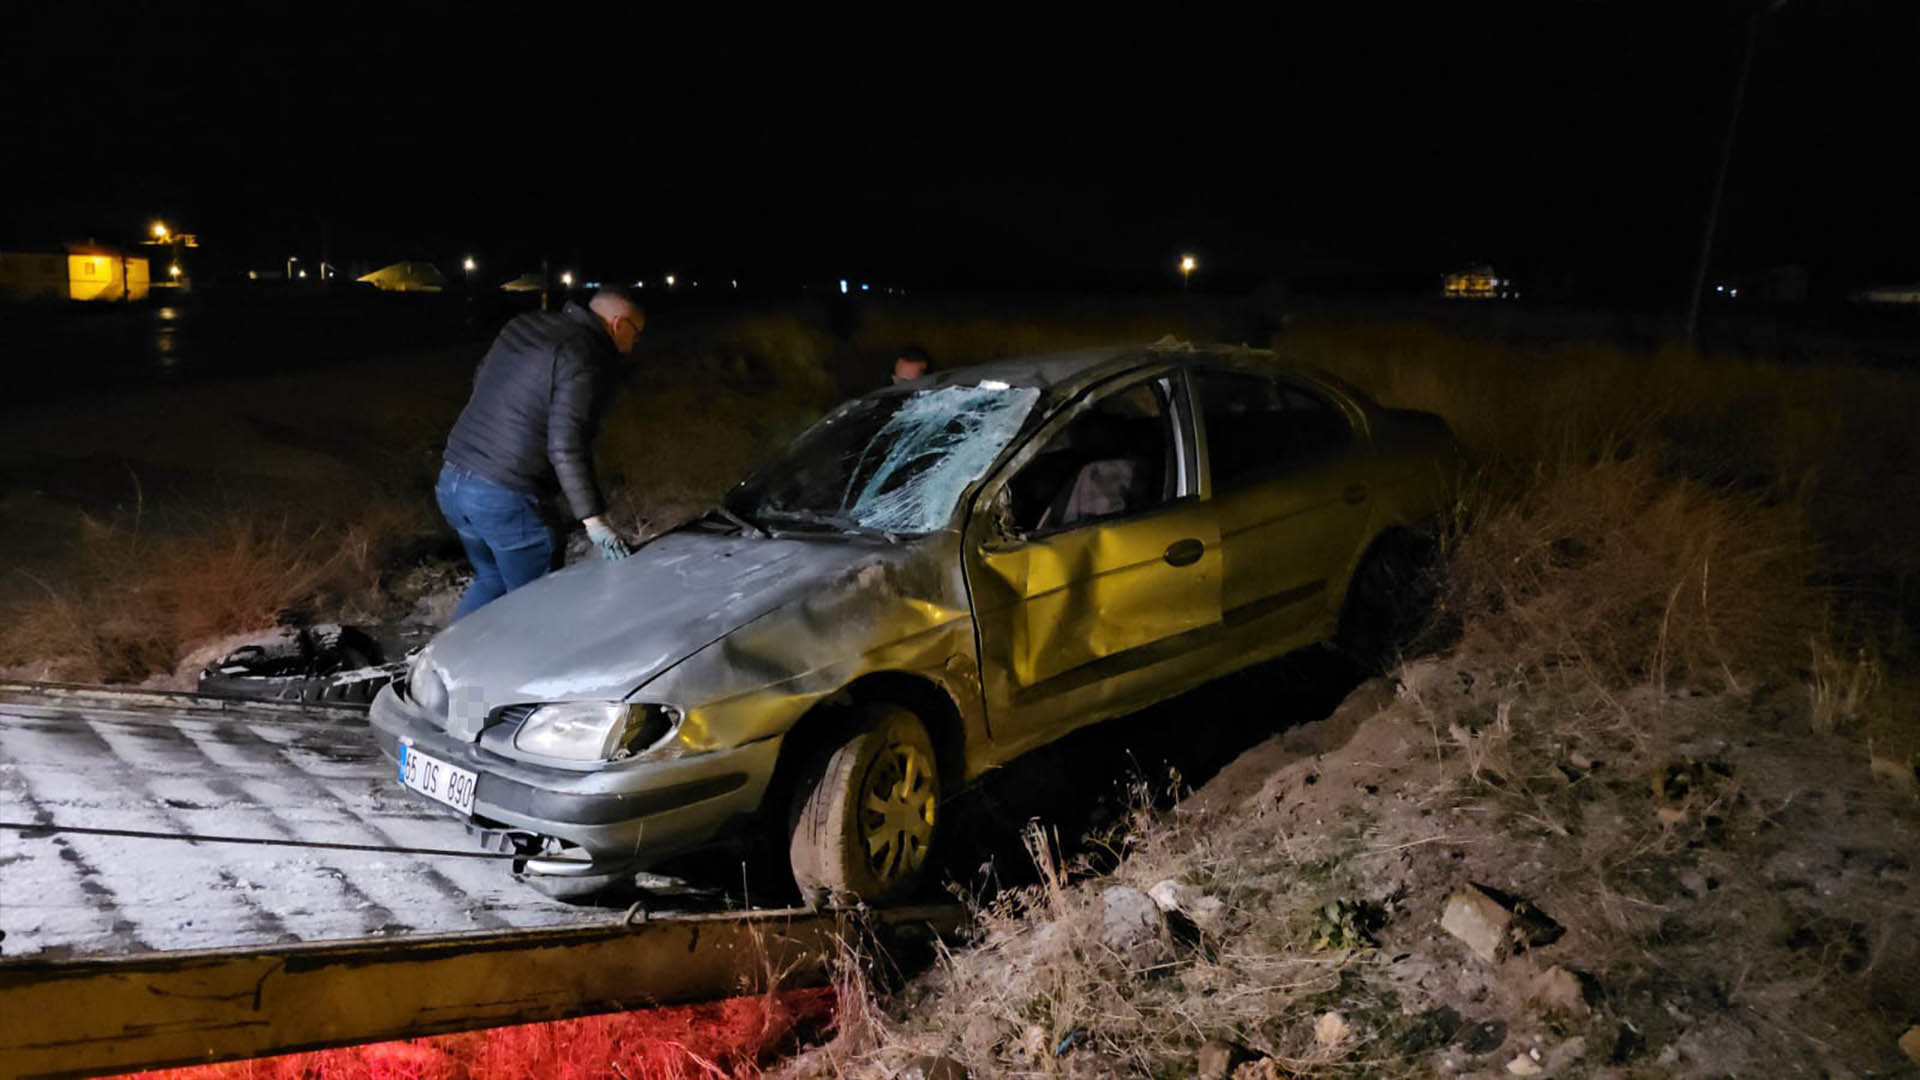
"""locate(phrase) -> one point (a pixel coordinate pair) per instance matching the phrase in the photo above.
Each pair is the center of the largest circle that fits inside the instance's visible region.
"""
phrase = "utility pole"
(1720, 179)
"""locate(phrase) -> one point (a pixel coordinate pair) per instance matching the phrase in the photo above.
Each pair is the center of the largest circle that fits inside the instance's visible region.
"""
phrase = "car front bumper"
(627, 815)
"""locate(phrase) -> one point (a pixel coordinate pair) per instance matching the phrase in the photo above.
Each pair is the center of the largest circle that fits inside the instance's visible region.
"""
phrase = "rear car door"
(1090, 555)
(1287, 479)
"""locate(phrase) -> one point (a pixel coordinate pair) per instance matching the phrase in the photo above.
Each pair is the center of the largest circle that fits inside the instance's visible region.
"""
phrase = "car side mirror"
(1001, 544)
(1002, 534)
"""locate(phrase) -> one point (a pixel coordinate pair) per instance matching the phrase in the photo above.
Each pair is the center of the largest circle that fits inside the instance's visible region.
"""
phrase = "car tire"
(327, 664)
(1388, 600)
(864, 817)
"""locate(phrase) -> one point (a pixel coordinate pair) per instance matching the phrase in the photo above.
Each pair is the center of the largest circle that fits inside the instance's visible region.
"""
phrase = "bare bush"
(1630, 575)
(139, 599)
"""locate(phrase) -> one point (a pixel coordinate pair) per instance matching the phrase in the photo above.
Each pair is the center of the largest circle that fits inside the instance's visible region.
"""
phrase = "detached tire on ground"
(865, 809)
(1388, 601)
(328, 663)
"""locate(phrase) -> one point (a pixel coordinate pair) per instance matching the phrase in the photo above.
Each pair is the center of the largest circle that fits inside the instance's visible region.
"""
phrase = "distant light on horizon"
(669, 281)
(469, 264)
(566, 278)
(843, 286)
(1188, 264)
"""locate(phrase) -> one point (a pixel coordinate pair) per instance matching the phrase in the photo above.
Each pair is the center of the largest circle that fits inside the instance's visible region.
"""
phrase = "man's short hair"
(914, 354)
(620, 293)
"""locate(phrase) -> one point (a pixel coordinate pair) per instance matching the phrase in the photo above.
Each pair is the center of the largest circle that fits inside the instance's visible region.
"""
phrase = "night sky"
(1573, 144)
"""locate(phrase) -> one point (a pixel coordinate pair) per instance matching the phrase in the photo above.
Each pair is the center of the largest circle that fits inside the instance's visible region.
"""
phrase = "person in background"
(910, 363)
(527, 428)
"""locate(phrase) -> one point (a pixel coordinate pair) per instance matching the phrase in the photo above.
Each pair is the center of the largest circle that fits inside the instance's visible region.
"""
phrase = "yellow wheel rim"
(897, 812)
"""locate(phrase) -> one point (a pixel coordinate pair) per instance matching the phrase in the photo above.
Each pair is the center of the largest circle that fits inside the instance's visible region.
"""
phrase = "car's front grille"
(510, 714)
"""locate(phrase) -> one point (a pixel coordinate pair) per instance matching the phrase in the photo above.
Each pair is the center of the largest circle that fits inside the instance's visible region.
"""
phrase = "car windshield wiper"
(720, 510)
(839, 522)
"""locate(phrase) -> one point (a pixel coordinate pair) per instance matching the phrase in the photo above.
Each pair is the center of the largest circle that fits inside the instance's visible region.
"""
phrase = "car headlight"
(426, 688)
(596, 731)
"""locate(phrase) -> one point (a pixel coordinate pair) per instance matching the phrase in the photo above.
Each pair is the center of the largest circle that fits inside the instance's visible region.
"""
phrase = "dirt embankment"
(1452, 874)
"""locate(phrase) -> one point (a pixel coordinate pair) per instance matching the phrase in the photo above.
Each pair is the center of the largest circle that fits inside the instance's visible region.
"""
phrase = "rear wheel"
(865, 810)
(1388, 601)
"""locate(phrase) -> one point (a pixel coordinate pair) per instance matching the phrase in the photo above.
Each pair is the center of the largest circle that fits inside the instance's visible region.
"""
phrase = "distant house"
(407, 277)
(1477, 283)
(85, 272)
(1889, 294)
(525, 283)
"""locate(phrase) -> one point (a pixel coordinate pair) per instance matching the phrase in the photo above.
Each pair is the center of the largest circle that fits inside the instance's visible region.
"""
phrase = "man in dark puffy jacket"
(536, 404)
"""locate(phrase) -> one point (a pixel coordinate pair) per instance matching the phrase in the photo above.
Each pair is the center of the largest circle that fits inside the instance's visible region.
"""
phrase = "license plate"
(437, 780)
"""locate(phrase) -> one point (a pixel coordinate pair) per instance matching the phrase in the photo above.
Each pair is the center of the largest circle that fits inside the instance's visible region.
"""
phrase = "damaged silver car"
(938, 577)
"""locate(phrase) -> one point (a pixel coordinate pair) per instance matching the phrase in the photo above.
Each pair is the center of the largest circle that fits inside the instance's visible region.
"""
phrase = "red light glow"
(735, 1037)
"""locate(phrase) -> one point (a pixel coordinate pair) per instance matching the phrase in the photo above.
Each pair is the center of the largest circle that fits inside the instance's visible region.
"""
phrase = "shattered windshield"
(896, 463)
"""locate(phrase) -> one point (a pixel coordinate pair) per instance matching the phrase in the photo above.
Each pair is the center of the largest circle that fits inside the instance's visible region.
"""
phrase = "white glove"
(611, 544)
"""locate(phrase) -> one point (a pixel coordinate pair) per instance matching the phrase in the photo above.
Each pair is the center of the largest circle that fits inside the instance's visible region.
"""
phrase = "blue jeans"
(507, 539)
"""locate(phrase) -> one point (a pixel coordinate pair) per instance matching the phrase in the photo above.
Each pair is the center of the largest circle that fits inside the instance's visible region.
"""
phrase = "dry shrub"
(1040, 968)
(1619, 570)
(138, 600)
(1836, 434)
(1843, 690)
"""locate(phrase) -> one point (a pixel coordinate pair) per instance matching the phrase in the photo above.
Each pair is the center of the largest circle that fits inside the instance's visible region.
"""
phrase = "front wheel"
(865, 812)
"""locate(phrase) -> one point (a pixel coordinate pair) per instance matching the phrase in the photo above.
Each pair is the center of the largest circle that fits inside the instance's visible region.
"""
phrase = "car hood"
(599, 630)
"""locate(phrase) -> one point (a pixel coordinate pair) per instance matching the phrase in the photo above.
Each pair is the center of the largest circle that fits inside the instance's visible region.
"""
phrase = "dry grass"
(1835, 437)
(1843, 690)
(139, 599)
(1040, 972)
(1630, 575)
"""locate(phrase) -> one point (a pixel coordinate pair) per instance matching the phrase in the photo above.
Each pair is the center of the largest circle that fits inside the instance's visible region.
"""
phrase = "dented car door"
(1095, 558)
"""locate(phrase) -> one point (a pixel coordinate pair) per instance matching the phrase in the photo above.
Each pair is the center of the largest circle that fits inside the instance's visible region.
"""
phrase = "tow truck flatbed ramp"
(91, 1016)
(188, 879)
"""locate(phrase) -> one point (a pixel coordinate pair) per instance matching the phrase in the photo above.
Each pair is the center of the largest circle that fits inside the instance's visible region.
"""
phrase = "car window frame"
(1271, 470)
(1180, 415)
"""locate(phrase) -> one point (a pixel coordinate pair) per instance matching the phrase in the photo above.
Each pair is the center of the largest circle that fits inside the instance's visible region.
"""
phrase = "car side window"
(1116, 458)
(1257, 426)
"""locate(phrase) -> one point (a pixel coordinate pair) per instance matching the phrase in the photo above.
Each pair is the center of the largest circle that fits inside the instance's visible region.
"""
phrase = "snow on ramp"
(184, 771)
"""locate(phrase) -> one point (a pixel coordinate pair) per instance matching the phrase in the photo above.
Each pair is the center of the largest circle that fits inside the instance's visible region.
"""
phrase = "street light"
(174, 270)
(669, 281)
(469, 265)
(1187, 265)
(566, 278)
(160, 231)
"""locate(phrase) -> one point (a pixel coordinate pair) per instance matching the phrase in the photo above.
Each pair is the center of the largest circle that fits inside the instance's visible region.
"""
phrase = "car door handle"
(1355, 494)
(1184, 552)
